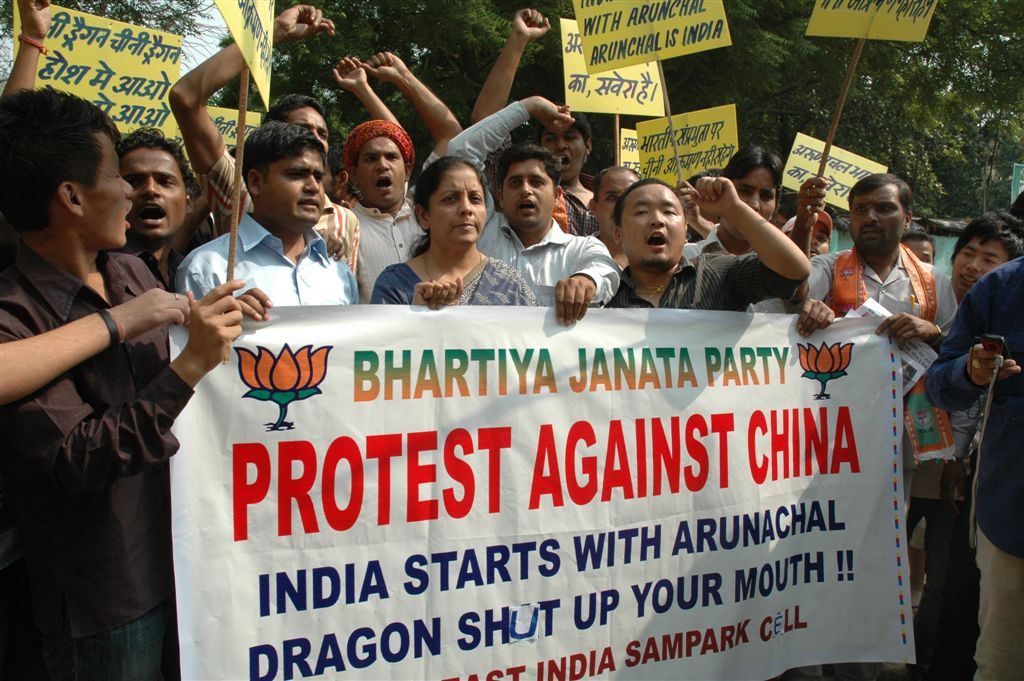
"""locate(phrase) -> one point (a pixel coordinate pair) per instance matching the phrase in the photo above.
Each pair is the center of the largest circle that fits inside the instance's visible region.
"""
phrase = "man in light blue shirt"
(279, 254)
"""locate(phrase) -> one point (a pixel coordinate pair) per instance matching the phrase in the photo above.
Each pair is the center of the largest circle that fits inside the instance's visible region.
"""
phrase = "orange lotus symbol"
(825, 363)
(286, 378)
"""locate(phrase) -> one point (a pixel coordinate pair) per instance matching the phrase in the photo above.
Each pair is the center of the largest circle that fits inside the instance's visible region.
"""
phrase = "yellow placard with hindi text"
(226, 121)
(875, 19)
(123, 69)
(842, 170)
(617, 33)
(629, 150)
(251, 23)
(633, 90)
(706, 139)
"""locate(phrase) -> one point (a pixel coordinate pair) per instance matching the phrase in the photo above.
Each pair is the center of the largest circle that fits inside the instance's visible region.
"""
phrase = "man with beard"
(652, 228)
(921, 302)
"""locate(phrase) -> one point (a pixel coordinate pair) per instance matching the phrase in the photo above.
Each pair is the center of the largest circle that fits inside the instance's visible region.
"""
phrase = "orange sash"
(930, 431)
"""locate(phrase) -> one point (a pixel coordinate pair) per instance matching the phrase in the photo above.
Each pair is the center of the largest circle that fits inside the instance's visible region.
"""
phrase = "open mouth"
(384, 182)
(564, 160)
(527, 204)
(657, 239)
(152, 212)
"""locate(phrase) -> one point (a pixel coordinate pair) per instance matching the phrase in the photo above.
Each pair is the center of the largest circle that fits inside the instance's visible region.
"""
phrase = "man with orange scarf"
(921, 302)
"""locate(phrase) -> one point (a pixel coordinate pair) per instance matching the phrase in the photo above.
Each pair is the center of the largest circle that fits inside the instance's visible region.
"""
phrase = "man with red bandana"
(379, 156)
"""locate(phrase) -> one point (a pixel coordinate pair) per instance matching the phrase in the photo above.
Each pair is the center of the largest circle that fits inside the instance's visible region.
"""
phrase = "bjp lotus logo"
(286, 378)
(825, 363)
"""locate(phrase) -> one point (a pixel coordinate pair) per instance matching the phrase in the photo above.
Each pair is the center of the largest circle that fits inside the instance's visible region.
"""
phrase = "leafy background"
(944, 113)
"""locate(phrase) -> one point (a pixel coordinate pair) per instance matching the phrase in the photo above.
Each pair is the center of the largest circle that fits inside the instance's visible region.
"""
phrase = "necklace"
(657, 288)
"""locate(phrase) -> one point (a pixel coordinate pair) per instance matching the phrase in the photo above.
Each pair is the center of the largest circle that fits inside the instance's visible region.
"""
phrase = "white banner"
(481, 494)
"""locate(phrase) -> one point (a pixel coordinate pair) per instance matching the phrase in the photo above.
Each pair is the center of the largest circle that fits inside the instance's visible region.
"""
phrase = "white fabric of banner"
(480, 493)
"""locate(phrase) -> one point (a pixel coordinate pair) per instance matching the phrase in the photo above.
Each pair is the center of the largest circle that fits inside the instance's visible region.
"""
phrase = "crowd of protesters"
(119, 237)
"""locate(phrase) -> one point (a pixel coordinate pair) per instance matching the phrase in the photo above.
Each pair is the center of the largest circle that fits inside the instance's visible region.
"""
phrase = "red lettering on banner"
(246, 493)
(799, 444)
(290, 453)
(342, 479)
(629, 466)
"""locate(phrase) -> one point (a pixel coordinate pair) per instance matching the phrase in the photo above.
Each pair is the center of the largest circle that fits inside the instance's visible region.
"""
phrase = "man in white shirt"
(566, 272)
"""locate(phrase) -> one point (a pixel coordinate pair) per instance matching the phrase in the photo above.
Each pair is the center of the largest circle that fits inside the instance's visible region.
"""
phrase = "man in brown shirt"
(86, 461)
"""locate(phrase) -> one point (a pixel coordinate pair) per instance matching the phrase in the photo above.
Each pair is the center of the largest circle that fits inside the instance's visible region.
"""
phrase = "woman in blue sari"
(446, 268)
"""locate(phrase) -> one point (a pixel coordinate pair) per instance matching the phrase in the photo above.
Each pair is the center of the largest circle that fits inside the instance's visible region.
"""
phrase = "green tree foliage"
(943, 113)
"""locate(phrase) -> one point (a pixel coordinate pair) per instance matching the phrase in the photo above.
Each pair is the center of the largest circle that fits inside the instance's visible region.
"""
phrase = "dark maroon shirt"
(86, 457)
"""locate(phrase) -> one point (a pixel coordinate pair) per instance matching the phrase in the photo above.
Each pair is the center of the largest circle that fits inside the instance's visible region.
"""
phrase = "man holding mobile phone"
(977, 355)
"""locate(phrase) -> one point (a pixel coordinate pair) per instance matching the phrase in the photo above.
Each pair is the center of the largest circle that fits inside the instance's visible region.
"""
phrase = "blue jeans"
(132, 652)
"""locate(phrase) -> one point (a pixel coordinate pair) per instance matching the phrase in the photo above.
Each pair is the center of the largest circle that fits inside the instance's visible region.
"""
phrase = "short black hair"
(751, 157)
(285, 105)
(46, 138)
(620, 204)
(868, 184)
(274, 141)
(1000, 225)
(611, 169)
(1017, 209)
(153, 138)
(917, 235)
(710, 172)
(518, 153)
(580, 123)
(428, 182)
(336, 159)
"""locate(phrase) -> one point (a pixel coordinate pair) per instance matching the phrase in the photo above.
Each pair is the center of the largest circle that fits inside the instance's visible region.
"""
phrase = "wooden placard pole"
(671, 129)
(618, 141)
(236, 191)
(838, 112)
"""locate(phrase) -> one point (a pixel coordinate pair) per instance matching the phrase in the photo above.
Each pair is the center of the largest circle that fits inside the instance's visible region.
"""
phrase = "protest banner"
(629, 150)
(251, 23)
(906, 20)
(706, 139)
(125, 70)
(387, 492)
(1017, 182)
(618, 33)
(634, 90)
(843, 169)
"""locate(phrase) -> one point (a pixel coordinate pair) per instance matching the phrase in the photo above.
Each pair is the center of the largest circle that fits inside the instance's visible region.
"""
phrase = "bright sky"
(197, 49)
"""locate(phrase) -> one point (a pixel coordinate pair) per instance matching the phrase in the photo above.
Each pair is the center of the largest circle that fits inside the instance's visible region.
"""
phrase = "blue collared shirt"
(991, 306)
(315, 279)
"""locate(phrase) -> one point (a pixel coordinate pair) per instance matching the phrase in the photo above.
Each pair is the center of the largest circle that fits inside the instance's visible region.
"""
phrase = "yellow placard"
(125, 70)
(633, 90)
(842, 170)
(629, 150)
(875, 19)
(707, 139)
(226, 121)
(251, 23)
(619, 33)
